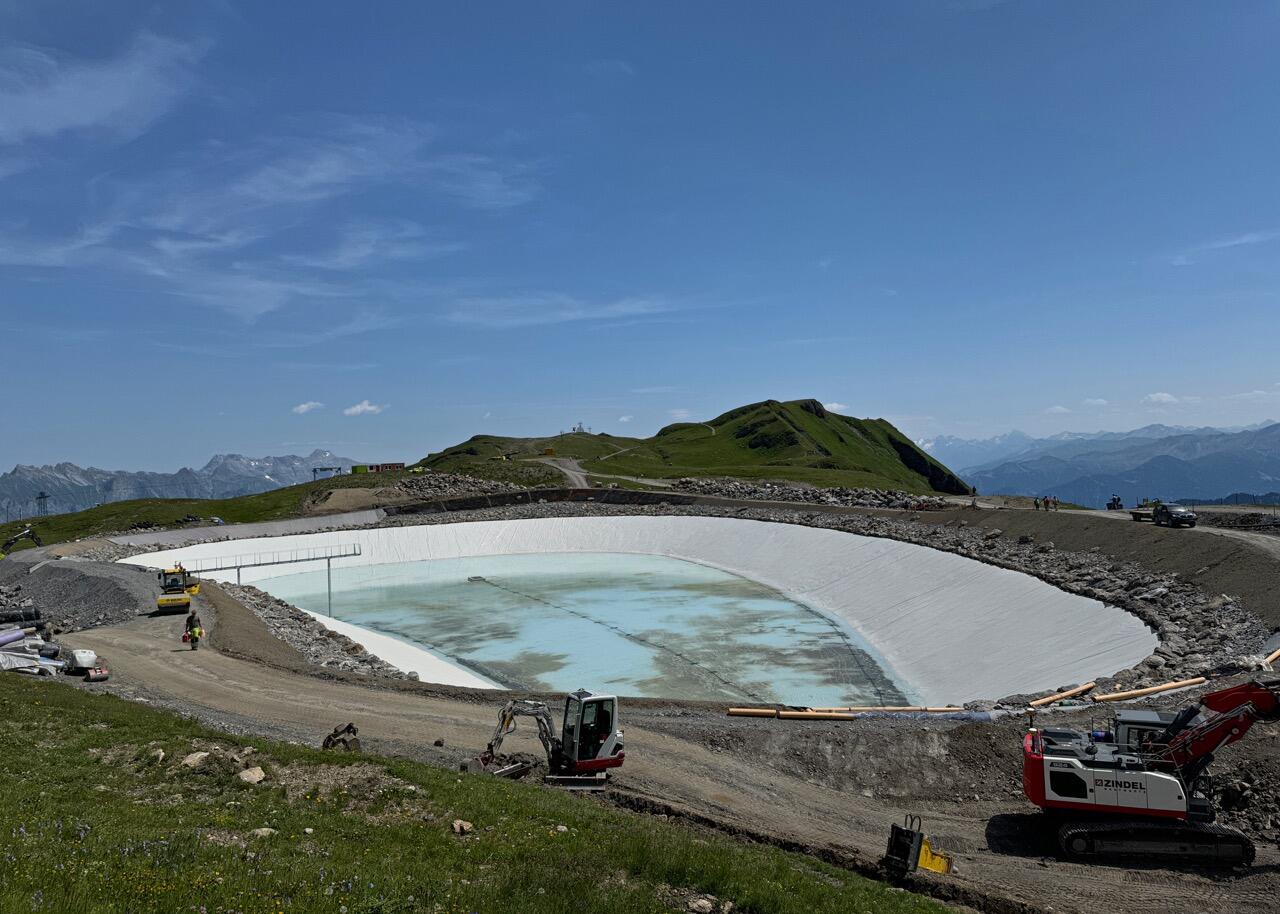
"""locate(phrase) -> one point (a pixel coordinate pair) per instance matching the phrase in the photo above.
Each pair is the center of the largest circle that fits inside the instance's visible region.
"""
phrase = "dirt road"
(832, 789)
(575, 476)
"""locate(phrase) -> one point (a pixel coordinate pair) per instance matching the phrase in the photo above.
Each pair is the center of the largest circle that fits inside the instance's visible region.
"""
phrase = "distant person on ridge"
(1037, 501)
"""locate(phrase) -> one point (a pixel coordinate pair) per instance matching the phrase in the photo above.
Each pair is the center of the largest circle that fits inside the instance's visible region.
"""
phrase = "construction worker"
(194, 631)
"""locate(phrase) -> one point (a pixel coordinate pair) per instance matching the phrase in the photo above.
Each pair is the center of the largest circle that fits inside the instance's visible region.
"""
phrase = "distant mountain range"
(73, 488)
(1156, 461)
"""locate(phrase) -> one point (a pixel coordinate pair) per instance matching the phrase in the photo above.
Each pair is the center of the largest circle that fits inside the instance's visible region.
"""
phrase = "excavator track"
(1210, 845)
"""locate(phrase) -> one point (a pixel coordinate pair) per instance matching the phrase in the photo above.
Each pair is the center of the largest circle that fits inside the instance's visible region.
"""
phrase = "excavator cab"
(590, 739)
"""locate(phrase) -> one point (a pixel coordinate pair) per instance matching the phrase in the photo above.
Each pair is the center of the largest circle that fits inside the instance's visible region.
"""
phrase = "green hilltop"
(799, 440)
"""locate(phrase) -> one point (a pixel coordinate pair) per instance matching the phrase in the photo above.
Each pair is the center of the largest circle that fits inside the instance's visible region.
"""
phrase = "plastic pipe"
(1273, 656)
(890, 709)
(1138, 693)
(1058, 696)
(753, 712)
(814, 715)
(16, 635)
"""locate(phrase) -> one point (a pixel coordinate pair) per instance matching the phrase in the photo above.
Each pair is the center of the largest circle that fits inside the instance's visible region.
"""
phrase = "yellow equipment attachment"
(910, 849)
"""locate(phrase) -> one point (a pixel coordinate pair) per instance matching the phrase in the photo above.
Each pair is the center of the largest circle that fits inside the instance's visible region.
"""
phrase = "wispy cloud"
(625, 418)
(364, 408)
(234, 229)
(481, 181)
(652, 390)
(608, 66)
(836, 407)
(362, 243)
(532, 310)
(310, 406)
(680, 415)
(357, 325)
(1187, 257)
(1094, 402)
(1057, 410)
(1160, 398)
(43, 94)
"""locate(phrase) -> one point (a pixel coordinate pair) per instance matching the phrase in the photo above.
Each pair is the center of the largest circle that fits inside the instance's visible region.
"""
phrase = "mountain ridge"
(72, 487)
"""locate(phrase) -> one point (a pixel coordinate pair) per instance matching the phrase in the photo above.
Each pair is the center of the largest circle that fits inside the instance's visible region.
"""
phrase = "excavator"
(27, 534)
(1141, 788)
(590, 742)
(177, 587)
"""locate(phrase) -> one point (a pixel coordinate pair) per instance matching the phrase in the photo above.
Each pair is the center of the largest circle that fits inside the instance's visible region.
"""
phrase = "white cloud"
(1057, 410)
(532, 310)
(659, 390)
(303, 408)
(1256, 396)
(625, 418)
(679, 415)
(364, 407)
(42, 94)
(836, 407)
(1160, 398)
(1095, 401)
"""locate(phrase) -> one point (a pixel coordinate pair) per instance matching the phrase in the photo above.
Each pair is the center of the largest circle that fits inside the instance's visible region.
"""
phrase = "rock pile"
(764, 490)
(321, 646)
(440, 486)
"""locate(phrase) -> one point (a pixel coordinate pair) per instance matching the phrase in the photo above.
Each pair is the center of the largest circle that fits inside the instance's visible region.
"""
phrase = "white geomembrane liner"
(950, 628)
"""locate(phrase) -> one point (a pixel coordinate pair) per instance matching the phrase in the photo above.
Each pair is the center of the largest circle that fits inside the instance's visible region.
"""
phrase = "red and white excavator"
(590, 741)
(1141, 788)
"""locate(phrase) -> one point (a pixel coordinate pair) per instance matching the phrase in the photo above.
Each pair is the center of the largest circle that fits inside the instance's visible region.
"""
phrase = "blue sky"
(382, 228)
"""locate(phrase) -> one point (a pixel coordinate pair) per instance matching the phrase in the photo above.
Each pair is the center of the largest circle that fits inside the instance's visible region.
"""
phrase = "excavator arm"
(28, 534)
(507, 725)
(1235, 711)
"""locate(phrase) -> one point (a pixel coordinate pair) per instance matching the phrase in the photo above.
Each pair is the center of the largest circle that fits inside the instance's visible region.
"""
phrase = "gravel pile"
(321, 646)
(440, 486)
(1198, 633)
(73, 595)
(786, 491)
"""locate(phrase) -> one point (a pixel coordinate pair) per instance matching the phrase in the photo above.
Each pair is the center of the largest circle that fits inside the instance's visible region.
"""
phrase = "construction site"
(1064, 701)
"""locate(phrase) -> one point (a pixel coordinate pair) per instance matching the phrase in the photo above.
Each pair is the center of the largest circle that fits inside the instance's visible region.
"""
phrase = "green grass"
(92, 823)
(122, 515)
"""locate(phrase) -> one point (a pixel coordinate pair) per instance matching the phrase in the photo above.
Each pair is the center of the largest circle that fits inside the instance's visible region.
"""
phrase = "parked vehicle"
(1173, 516)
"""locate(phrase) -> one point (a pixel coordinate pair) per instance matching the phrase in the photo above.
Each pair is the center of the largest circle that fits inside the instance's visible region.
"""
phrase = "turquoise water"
(641, 625)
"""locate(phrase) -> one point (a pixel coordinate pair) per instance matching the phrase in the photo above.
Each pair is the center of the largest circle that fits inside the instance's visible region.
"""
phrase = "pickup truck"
(1165, 515)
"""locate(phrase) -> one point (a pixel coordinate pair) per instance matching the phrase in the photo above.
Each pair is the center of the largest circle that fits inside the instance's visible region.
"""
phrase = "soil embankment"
(1246, 567)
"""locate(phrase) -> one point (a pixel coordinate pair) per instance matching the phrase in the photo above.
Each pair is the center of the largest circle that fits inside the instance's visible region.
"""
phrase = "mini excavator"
(1142, 788)
(590, 742)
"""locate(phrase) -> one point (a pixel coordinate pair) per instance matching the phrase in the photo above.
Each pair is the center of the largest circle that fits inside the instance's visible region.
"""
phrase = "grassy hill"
(798, 440)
